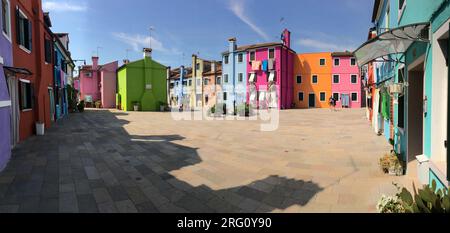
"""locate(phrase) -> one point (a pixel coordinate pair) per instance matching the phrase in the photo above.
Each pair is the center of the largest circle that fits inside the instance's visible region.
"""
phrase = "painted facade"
(209, 85)
(143, 82)
(5, 99)
(177, 88)
(419, 119)
(312, 80)
(98, 83)
(30, 53)
(232, 88)
(346, 80)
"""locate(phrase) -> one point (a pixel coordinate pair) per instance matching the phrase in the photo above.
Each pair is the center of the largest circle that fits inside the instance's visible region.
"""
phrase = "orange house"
(312, 80)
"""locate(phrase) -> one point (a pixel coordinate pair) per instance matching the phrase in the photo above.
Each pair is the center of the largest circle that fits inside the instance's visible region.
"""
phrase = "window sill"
(27, 110)
(24, 49)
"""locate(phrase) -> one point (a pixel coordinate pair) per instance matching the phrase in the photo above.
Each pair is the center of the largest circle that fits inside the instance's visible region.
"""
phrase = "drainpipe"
(448, 112)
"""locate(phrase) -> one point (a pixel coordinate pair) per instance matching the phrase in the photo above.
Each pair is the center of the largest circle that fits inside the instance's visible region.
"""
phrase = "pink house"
(269, 71)
(346, 80)
(98, 83)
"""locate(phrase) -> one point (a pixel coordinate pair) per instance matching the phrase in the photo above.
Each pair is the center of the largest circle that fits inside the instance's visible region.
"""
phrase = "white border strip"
(5, 103)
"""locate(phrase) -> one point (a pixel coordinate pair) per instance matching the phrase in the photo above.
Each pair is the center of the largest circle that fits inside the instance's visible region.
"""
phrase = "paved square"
(110, 161)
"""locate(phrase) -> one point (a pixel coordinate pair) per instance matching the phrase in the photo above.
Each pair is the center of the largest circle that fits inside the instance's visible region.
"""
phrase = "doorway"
(415, 111)
(312, 100)
(13, 88)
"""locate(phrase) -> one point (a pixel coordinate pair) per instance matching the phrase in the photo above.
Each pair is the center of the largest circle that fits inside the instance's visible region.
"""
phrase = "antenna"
(98, 48)
(151, 29)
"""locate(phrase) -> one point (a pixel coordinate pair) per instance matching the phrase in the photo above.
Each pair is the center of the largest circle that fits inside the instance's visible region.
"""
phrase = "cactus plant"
(426, 200)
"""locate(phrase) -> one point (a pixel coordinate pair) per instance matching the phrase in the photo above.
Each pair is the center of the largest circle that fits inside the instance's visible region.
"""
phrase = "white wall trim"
(5, 103)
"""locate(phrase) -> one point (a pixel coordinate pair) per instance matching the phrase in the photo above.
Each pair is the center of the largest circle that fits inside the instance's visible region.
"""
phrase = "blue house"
(233, 83)
(63, 65)
(410, 55)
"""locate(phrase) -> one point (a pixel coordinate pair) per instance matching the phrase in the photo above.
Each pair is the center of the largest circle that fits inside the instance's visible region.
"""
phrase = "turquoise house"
(410, 56)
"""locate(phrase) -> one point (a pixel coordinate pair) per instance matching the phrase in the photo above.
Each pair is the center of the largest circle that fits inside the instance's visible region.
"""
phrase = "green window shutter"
(17, 26)
(30, 35)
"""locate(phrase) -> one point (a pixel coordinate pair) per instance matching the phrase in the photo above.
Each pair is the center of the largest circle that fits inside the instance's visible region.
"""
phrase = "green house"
(142, 83)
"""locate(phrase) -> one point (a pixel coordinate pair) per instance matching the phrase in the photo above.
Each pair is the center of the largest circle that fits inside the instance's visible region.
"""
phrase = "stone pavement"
(109, 161)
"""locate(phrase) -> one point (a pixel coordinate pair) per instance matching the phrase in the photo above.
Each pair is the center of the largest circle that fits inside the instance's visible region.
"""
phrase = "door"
(312, 100)
(416, 112)
(13, 87)
(52, 104)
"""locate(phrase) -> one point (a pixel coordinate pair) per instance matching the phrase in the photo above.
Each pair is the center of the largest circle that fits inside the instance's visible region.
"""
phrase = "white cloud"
(62, 6)
(138, 42)
(325, 46)
(238, 9)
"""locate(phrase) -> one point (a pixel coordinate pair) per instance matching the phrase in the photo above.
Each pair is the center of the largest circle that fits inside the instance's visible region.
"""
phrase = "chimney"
(94, 63)
(213, 67)
(232, 44)
(147, 53)
(126, 61)
(181, 73)
(287, 38)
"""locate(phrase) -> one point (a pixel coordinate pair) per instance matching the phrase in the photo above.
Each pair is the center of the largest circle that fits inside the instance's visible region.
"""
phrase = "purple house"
(5, 100)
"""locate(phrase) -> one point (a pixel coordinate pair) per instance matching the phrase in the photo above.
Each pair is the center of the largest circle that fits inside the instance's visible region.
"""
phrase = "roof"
(256, 46)
(342, 54)
(47, 20)
(133, 62)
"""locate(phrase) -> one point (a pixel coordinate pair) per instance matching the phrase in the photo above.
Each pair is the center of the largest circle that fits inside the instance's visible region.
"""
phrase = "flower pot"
(162, 108)
(40, 129)
(136, 108)
(392, 171)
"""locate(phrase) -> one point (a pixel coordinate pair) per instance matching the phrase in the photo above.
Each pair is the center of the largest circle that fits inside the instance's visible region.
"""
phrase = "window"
(299, 79)
(199, 82)
(219, 80)
(336, 96)
(354, 79)
(337, 62)
(355, 97)
(401, 8)
(322, 61)
(271, 53)
(6, 17)
(240, 58)
(225, 78)
(206, 82)
(184, 83)
(190, 82)
(225, 58)
(88, 74)
(240, 77)
(48, 50)
(24, 31)
(206, 99)
(336, 78)
(224, 96)
(197, 66)
(26, 95)
(322, 96)
(353, 62)
(300, 96)
(315, 79)
(252, 55)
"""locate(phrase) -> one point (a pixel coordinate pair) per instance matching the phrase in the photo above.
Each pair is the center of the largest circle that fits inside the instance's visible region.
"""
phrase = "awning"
(394, 41)
(16, 71)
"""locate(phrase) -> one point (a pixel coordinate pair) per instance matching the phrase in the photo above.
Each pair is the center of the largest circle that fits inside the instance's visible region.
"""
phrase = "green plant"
(243, 110)
(426, 200)
(390, 204)
(80, 106)
(212, 110)
(390, 163)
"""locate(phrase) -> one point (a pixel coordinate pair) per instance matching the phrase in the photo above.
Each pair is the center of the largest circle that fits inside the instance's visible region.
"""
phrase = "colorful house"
(143, 83)
(177, 86)
(63, 66)
(5, 99)
(415, 77)
(312, 80)
(98, 83)
(209, 84)
(31, 85)
(232, 84)
(345, 80)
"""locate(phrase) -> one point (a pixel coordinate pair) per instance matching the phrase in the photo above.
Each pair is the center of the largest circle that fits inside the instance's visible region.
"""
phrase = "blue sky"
(186, 27)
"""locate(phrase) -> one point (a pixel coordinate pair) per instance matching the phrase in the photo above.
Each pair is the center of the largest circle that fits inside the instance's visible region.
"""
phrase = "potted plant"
(135, 106)
(98, 104)
(391, 164)
(162, 106)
